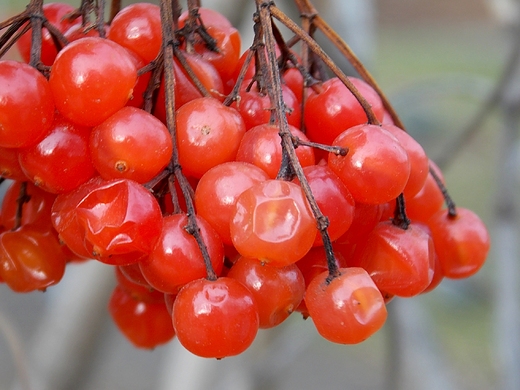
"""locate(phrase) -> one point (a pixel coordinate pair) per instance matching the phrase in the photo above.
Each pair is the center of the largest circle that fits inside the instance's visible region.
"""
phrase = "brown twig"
(264, 10)
(168, 47)
(316, 49)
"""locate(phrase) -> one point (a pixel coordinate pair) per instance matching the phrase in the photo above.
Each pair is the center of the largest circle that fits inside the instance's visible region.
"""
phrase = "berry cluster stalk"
(169, 13)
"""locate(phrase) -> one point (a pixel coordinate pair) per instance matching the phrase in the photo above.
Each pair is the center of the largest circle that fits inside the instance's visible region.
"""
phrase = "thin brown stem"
(23, 198)
(36, 18)
(315, 48)
(193, 77)
(115, 7)
(100, 18)
(400, 219)
(450, 204)
(275, 93)
(168, 47)
(306, 8)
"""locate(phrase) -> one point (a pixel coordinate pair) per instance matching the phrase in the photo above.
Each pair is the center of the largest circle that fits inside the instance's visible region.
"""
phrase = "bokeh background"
(450, 68)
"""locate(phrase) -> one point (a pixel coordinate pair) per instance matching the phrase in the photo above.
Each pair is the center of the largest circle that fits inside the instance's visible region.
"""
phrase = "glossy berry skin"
(60, 162)
(130, 144)
(55, 14)
(215, 319)
(185, 89)
(349, 309)
(145, 324)
(115, 221)
(255, 106)
(376, 167)
(9, 165)
(333, 199)
(366, 217)
(315, 262)
(261, 146)
(133, 273)
(138, 291)
(461, 242)
(91, 79)
(26, 105)
(63, 217)
(217, 192)
(204, 126)
(334, 109)
(227, 38)
(401, 262)
(419, 162)
(428, 200)
(119, 217)
(273, 223)
(30, 259)
(277, 290)
(137, 27)
(176, 259)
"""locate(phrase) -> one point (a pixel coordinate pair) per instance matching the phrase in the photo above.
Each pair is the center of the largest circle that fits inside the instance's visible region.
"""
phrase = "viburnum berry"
(116, 221)
(146, 324)
(203, 126)
(261, 146)
(185, 89)
(130, 144)
(348, 309)
(400, 261)
(56, 15)
(227, 51)
(60, 162)
(26, 105)
(273, 223)
(215, 318)
(277, 290)
(419, 162)
(255, 107)
(137, 27)
(218, 189)
(91, 79)
(334, 109)
(461, 242)
(176, 259)
(333, 199)
(30, 259)
(376, 167)
(428, 200)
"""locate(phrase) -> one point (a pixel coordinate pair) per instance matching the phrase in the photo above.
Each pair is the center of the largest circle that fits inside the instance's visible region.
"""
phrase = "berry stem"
(168, 47)
(450, 204)
(315, 48)
(310, 13)
(400, 219)
(236, 88)
(155, 81)
(274, 90)
(337, 150)
(22, 198)
(184, 63)
(115, 7)
(37, 19)
(13, 33)
(100, 18)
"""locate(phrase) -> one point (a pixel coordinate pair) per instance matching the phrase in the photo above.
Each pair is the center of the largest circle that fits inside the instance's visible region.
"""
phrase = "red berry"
(215, 318)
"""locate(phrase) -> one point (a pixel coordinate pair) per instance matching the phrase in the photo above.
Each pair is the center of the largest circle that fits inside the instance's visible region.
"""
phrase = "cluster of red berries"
(235, 247)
